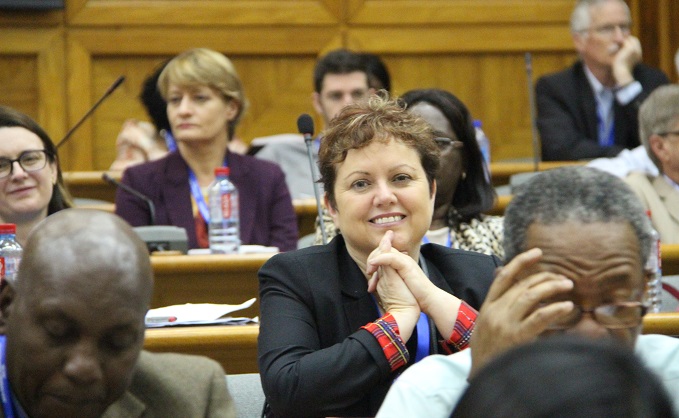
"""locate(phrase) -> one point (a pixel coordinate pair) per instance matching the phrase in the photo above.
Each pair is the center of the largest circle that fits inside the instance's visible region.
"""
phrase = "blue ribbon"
(5, 394)
(198, 195)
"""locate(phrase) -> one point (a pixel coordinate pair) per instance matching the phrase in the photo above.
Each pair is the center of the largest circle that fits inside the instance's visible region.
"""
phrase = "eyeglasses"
(613, 316)
(30, 161)
(445, 143)
(609, 30)
(673, 133)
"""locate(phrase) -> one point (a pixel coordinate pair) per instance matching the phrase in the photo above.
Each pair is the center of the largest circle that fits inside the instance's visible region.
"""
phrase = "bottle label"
(226, 206)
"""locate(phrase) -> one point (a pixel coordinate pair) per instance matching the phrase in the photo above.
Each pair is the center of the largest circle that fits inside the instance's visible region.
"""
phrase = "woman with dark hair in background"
(463, 192)
(31, 185)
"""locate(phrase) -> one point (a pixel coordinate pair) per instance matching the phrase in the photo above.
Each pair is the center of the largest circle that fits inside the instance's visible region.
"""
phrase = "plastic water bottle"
(654, 270)
(224, 226)
(10, 253)
(484, 146)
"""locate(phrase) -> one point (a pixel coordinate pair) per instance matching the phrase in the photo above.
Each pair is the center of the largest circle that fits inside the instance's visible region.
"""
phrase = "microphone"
(108, 92)
(531, 100)
(305, 126)
(149, 202)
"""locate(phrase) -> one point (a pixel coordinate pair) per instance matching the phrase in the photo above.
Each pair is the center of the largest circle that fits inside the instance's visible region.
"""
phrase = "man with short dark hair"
(576, 240)
(72, 331)
(590, 109)
(340, 78)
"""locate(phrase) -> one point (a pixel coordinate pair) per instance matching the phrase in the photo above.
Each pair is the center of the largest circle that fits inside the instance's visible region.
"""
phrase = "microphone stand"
(139, 195)
(307, 141)
(531, 100)
(108, 92)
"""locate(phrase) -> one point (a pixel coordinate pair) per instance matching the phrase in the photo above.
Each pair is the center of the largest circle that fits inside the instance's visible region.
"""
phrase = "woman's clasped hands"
(404, 290)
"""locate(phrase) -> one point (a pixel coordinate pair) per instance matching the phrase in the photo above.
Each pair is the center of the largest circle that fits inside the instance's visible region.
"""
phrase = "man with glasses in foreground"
(589, 110)
(659, 132)
(576, 240)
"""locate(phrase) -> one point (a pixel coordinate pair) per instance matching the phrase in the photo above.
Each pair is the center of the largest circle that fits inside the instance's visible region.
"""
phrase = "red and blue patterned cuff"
(463, 329)
(385, 330)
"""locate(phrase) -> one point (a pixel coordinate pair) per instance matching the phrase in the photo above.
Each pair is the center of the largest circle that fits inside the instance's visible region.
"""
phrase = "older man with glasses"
(589, 110)
(659, 132)
(576, 240)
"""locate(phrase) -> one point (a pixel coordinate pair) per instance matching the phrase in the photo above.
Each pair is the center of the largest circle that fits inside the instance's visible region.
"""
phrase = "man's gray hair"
(578, 194)
(581, 17)
(659, 113)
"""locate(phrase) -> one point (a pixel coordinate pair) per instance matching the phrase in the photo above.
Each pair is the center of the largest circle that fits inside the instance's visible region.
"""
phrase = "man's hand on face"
(512, 313)
(625, 59)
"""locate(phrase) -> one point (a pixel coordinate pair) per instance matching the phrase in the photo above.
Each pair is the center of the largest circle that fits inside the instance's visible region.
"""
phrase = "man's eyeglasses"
(612, 316)
(445, 143)
(609, 30)
(672, 133)
(30, 161)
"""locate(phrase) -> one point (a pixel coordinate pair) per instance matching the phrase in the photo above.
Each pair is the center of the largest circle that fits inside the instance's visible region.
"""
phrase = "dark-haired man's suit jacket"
(567, 115)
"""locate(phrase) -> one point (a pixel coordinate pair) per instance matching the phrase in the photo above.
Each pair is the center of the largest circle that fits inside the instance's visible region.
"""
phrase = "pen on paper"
(159, 319)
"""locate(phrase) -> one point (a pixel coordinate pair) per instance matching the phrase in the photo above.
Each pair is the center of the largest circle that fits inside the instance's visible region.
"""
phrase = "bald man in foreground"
(72, 330)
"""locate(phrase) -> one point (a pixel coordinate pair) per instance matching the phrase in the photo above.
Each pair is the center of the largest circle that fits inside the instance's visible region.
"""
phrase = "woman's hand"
(441, 306)
(405, 267)
(392, 292)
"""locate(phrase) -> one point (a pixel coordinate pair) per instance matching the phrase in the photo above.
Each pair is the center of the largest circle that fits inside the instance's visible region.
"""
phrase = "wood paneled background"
(54, 65)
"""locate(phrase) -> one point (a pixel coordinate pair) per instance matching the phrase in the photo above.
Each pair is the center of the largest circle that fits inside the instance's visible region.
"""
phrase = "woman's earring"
(464, 175)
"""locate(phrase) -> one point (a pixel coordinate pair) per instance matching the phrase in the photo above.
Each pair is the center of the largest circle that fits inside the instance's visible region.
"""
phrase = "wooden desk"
(500, 172)
(234, 347)
(90, 185)
(228, 279)
(666, 323)
(307, 212)
(670, 259)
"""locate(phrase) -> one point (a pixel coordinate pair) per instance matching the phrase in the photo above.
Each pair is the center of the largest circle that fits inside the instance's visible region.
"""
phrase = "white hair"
(582, 16)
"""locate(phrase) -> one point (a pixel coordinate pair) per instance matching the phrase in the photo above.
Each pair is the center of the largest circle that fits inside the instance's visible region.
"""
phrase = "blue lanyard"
(423, 331)
(7, 406)
(449, 243)
(198, 195)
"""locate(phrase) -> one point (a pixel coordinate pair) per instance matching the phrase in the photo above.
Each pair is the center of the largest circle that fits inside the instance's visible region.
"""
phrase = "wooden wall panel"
(432, 12)
(55, 65)
(200, 12)
(32, 75)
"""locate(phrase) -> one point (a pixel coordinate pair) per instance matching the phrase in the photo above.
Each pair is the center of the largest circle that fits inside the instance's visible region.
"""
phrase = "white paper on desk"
(195, 313)
(243, 249)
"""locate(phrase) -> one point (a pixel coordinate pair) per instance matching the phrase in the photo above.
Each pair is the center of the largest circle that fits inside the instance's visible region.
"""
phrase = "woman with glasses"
(463, 193)
(31, 186)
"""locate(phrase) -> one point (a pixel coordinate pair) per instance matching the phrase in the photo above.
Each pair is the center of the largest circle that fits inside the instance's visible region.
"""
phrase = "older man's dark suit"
(266, 213)
(314, 358)
(567, 115)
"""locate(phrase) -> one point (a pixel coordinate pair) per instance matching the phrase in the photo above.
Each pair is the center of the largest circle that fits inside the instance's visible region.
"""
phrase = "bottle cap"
(477, 123)
(8, 229)
(222, 171)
